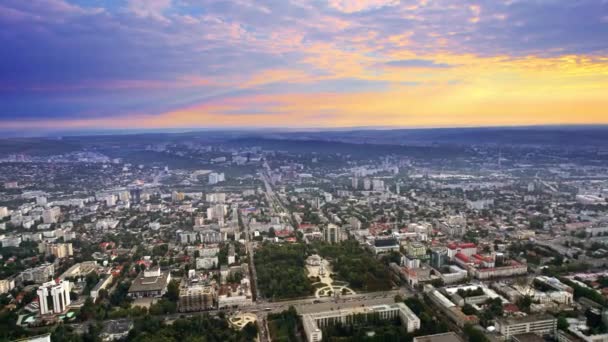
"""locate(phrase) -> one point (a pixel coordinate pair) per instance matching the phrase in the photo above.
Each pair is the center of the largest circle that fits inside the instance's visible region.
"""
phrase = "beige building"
(196, 298)
(60, 250)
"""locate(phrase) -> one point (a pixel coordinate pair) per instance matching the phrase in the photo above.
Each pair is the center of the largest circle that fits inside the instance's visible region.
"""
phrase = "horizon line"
(58, 133)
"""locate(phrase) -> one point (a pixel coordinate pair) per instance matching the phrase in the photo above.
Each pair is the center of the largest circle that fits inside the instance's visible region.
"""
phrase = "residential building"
(60, 250)
(38, 275)
(207, 263)
(51, 215)
(196, 298)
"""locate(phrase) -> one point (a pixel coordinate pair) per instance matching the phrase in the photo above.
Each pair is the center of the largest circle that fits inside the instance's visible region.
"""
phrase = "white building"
(314, 321)
(3, 212)
(540, 325)
(53, 297)
(110, 200)
(51, 215)
(215, 178)
(331, 234)
(219, 197)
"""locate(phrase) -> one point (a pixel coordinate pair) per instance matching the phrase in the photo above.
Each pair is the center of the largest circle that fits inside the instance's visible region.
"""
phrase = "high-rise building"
(217, 211)
(215, 178)
(60, 250)
(135, 195)
(40, 200)
(378, 185)
(331, 233)
(51, 215)
(367, 184)
(355, 182)
(439, 257)
(177, 196)
(110, 200)
(219, 197)
(3, 212)
(124, 196)
(54, 297)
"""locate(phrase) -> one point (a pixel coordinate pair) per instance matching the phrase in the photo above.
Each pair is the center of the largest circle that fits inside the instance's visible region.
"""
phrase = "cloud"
(62, 60)
(352, 6)
(417, 63)
(149, 8)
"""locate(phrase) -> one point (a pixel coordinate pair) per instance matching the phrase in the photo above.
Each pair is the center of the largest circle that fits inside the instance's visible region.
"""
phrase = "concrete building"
(3, 212)
(235, 295)
(513, 269)
(6, 285)
(150, 283)
(215, 178)
(177, 196)
(207, 263)
(38, 275)
(537, 324)
(416, 249)
(102, 284)
(386, 245)
(315, 321)
(196, 298)
(59, 250)
(467, 249)
(51, 215)
(331, 234)
(439, 257)
(54, 298)
(445, 337)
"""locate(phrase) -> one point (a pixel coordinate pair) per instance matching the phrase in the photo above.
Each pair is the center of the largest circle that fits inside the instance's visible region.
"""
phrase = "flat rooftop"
(446, 337)
(321, 307)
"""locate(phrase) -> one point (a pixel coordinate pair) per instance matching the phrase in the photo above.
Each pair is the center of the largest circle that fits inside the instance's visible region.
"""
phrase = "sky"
(154, 64)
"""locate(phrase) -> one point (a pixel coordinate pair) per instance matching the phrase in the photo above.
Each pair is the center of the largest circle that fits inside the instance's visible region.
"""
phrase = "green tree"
(173, 291)
(562, 323)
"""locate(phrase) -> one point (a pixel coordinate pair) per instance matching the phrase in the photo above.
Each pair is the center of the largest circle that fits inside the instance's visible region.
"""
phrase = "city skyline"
(160, 64)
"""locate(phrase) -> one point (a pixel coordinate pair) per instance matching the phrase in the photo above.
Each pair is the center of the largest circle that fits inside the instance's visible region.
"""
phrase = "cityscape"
(304, 170)
(237, 236)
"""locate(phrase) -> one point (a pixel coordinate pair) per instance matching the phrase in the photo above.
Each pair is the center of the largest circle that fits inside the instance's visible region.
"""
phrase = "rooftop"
(445, 337)
(153, 283)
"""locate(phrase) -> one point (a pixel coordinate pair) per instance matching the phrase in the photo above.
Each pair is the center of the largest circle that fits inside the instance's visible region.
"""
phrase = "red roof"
(482, 258)
(462, 257)
(463, 245)
(282, 233)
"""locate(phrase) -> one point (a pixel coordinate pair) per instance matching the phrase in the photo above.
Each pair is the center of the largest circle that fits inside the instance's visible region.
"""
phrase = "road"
(274, 202)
